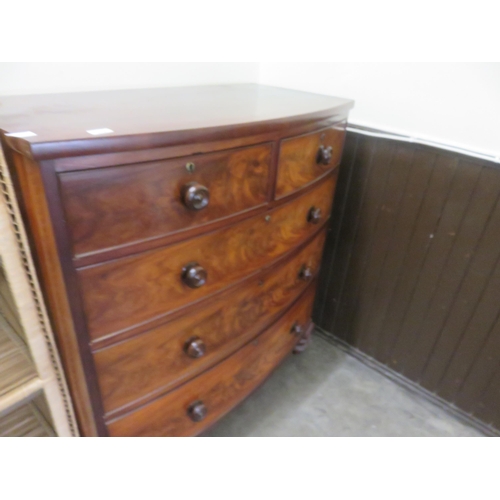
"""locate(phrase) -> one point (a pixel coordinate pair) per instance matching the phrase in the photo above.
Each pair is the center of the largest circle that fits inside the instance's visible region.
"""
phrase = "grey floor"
(326, 392)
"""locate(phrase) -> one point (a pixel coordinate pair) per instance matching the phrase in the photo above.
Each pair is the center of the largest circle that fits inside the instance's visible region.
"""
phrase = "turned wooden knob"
(194, 275)
(297, 329)
(324, 155)
(195, 196)
(305, 273)
(314, 215)
(197, 411)
(195, 347)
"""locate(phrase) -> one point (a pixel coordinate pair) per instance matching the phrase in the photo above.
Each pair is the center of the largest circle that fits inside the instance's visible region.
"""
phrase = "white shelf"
(19, 380)
(8, 307)
(16, 367)
(26, 421)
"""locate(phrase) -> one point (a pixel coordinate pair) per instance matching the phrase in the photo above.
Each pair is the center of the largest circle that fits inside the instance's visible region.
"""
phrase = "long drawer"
(115, 206)
(196, 405)
(166, 356)
(134, 290)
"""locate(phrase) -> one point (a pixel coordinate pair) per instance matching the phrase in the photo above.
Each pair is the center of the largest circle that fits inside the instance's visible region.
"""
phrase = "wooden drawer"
(304, 158)
(134, 290)
(158, 360)
(115, 206)
(222, 387)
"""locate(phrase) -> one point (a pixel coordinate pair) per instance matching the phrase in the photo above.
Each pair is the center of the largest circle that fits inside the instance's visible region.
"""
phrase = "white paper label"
(99, 131)
(27, 133)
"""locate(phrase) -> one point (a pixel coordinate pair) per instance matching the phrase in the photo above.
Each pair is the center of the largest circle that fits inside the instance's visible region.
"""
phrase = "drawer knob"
(194, 275)
(195, 196)
(324, 155)
(305, 273)
(197, 411)
(297, 329)
(314, 215)
(195, 348)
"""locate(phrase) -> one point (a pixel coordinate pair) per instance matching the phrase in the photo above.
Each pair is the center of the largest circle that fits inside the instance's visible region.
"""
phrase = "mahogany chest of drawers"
(178, 234)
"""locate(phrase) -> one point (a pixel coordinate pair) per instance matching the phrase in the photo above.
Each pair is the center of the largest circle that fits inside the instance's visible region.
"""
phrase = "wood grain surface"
(152, 118)
(297, 165)
(113, 237)
(134, 290)
(115, 206)
(155, 361)
(220, 388)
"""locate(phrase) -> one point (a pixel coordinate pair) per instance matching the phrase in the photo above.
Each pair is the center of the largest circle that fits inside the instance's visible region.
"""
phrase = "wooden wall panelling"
(425, 223)
(411, 271)
(341, 247)
(483, 367)
(487, 408)
(332, 238)
(377, 160)
(401, 221)
(384, 212)
(422, 320)
(471, 267)
(474, 310)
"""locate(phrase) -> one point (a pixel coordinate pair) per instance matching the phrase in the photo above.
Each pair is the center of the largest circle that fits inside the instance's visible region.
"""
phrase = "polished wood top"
(142, 112)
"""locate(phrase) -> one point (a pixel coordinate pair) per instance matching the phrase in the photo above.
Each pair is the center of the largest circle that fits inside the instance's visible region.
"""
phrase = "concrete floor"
(326, 392)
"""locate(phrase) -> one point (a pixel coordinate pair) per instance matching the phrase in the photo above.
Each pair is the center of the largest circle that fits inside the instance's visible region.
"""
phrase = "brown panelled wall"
(411, 272)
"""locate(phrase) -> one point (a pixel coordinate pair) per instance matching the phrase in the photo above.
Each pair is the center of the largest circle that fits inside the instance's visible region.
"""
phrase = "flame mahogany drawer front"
(164, 357)
(197, 404)
(178, 252)
(122, 205)
(131, 291)
(304, 158)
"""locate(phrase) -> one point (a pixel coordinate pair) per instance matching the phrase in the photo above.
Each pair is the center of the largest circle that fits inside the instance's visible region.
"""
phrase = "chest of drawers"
(178, 235)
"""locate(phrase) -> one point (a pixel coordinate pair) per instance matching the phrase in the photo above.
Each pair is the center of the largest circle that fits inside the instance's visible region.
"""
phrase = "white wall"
(453, 103)
(38, 78)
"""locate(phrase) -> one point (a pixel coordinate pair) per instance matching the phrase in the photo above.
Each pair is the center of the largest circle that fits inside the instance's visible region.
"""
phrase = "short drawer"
(132, 291)
(115, 206)
(168, 355)
(304, 158)
(194, 406)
